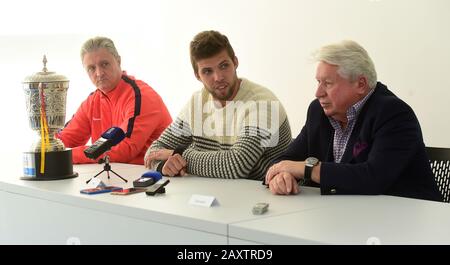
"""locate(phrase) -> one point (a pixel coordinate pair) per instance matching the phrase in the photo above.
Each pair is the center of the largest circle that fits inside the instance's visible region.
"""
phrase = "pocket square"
(358, 148)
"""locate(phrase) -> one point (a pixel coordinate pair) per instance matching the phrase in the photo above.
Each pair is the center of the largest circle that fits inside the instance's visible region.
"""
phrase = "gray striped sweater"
(236, 141)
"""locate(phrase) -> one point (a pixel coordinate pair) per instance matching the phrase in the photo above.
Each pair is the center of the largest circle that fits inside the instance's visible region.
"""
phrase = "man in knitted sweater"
(231, 128)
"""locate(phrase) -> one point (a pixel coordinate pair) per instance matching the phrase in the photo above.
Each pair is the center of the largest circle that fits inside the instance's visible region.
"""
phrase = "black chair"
(440, 164)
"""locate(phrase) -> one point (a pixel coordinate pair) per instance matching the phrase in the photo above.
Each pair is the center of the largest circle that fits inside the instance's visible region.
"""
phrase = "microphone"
(147, 179)
(109, 138)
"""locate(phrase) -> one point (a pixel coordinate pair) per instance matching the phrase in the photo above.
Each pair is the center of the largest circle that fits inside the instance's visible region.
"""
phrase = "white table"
(54, 212)
(357, 220)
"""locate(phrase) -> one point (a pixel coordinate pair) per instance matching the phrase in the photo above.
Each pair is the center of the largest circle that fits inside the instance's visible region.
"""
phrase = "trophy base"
(58, 165)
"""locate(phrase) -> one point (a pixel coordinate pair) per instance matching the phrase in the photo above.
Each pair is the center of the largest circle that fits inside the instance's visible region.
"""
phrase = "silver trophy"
(45, 99)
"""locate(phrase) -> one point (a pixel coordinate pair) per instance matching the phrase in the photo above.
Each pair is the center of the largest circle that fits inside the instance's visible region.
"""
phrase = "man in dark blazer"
(359, 138)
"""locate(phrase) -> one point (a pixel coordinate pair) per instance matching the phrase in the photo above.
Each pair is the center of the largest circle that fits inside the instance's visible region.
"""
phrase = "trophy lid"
(45, 76)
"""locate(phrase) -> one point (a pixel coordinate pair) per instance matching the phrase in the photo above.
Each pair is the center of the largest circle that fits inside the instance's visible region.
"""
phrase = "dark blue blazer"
(384, 155)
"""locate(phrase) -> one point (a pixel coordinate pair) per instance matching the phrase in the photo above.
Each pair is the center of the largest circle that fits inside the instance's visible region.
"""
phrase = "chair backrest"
(440, 164)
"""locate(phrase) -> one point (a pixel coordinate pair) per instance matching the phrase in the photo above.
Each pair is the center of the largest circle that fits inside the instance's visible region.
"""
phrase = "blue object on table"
(147, 179)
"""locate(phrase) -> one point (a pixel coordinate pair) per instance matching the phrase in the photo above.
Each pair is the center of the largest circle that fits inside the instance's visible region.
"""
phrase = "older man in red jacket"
(120, 100)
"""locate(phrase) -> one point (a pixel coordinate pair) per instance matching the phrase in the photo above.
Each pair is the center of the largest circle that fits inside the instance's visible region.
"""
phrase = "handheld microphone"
(109, 138)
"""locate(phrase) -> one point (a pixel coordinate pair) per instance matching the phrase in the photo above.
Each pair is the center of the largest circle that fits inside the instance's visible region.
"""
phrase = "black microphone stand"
(107, 168)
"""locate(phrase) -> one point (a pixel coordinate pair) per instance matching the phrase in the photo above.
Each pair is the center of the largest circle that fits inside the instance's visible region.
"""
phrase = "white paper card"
(202, 200)
(95, 183)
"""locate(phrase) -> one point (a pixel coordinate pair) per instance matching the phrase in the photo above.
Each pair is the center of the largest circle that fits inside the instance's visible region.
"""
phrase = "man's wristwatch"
(310, 162)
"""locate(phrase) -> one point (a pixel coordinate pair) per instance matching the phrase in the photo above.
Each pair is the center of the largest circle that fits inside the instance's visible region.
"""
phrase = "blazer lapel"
(358, 141)
(327, 136)
(349, 154)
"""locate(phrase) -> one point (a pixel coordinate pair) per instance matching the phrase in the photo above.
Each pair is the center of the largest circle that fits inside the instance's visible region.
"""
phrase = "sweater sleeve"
(297, 150)
(236, 162)
(177, 134)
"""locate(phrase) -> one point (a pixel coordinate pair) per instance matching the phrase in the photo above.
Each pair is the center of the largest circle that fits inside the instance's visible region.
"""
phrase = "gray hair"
(352, 60)
(97, 43)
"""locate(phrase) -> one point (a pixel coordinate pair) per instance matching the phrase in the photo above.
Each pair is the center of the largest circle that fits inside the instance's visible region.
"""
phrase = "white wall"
(408, 40)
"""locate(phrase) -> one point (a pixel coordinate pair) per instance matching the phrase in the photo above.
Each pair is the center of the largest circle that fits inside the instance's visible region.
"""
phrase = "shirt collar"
(353, 111)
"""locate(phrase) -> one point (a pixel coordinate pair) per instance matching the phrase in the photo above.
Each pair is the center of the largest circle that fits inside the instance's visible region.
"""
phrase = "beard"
(229, 91)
